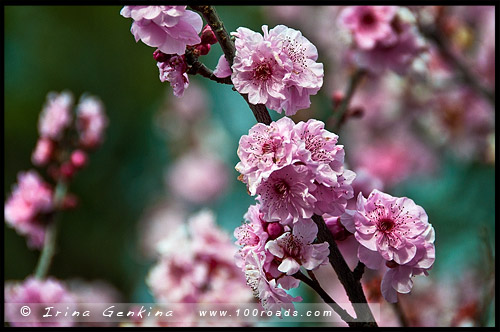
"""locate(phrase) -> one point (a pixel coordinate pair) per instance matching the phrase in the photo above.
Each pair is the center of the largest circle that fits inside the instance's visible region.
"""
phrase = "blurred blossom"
(56, 115)
(43, 151)
(193, 105)
(462, 120)
(393, 159)
(157, 224)
(31, 198)
(169, 28)
(198, 177)
(33, 290)
(86, 293)
(91, 121)
(197, 265)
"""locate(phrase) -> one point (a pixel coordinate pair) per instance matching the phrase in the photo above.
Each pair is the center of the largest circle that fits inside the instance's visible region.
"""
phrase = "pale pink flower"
(278, 69)
(198, 178)
(56, 115)
(174, 71)
(396, 56)
(286, 195)
(267, 291)
(31, 290)
(157, 225)
(305, 78)
(168, 28)
(43, 151)
(222, 69)
(390, 225)
(256, 70)
(91, 121)
(325, 157)
(30, 198)
(264, 150)
(252, 234)
(369, 24)
(191, 107)
(295, 248)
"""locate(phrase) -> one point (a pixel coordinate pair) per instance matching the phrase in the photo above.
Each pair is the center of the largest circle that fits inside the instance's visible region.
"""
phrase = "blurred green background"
(90, 49)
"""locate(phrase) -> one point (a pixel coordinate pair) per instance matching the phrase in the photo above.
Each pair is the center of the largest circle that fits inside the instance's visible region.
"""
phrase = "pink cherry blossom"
(168, 28)
(56, 115)
(198, 178)
(30, 198)
(267, 291)
(295, 248)
(286, 195)
(305, 78)
(91, 121)
(389, 225)
(264, 150)
(278, 69)
(174, 71)
(31, 290)
(256, 70)
(252, 234)
(43, 151)
(369, 24)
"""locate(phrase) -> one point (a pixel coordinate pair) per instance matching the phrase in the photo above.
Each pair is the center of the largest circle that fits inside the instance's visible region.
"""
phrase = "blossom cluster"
(385, 37)
(277, 69)
(296, 170)
(62, 149)
(394, 231)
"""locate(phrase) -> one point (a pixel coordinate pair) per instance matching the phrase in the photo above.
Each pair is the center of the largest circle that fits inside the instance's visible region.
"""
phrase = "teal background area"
(90, 49)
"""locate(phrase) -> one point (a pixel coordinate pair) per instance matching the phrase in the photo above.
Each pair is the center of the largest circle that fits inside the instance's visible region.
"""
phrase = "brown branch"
(347, 278)
(344, 315)
(259, 111)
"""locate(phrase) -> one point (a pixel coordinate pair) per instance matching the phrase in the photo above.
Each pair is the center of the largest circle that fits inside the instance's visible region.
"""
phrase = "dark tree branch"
(359, 270)
(341, 111)
(344, 315)
(346, 276)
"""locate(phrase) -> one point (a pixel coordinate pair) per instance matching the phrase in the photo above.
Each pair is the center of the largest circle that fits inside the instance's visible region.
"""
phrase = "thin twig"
(49, 244)
(341, 110)
(344, 315)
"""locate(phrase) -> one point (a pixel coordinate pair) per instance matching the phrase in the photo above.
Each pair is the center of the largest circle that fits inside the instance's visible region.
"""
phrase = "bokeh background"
(90, 49)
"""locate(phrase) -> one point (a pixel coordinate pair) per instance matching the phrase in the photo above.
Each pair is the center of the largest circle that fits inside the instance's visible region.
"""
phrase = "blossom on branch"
(168, 28)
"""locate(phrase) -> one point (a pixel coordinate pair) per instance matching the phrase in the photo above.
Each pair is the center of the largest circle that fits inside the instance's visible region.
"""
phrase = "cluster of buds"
(62, 149)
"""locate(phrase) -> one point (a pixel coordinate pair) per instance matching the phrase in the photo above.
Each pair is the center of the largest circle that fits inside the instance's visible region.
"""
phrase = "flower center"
(281, 187)
(263, 71)
(386, 225)
(267, 147)
(368, 19)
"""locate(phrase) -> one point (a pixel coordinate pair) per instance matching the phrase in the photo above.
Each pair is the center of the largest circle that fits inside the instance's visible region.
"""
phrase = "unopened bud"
(78, 158)
(159, 56)
(203, 49)
(274, 229)
(208, 36)
(67, 170)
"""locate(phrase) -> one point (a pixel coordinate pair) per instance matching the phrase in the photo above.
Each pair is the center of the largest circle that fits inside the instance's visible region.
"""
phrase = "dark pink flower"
(369, 24)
